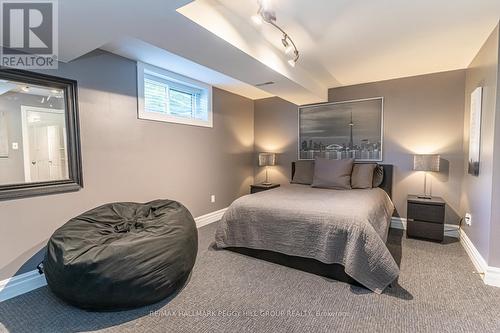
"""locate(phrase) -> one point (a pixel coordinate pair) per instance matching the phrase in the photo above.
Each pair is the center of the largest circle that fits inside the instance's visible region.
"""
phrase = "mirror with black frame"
(39, 135)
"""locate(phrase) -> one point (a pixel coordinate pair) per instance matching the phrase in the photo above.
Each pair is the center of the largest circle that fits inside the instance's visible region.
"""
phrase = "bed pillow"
(304, 171)
(362, 175)
(335, 174)
(378, 175)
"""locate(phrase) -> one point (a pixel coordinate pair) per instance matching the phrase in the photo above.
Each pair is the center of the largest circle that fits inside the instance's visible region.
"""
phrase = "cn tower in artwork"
(351, 141)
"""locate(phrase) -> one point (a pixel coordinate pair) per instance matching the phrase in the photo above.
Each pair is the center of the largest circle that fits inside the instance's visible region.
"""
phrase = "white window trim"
(160, 72)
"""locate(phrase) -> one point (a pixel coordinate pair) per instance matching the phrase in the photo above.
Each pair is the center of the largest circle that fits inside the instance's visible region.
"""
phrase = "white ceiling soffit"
(138, 50)
(242, 34)
(87, 25)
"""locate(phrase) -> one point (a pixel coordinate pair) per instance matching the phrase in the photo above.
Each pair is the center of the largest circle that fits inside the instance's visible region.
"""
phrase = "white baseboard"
(490, 274)
(209, 218)
(21, 284)
(29, 281)
(450, 230)
(474, 255)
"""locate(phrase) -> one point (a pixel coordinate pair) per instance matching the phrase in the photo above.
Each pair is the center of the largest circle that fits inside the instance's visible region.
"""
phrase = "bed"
(320, 227)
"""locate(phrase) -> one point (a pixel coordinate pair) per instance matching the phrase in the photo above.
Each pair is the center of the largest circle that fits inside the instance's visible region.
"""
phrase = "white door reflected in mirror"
(44, 140)
(33, 135)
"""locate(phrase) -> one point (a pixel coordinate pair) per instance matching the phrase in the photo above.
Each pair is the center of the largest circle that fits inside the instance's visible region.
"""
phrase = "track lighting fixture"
(266, 14)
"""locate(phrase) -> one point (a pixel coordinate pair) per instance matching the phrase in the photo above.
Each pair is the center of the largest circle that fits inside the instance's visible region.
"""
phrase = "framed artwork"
(341, 130)
(4, 140)
(475, 131)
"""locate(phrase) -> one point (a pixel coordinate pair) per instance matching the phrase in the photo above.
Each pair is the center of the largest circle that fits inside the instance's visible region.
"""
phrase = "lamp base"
(424, 196)
(267, 184)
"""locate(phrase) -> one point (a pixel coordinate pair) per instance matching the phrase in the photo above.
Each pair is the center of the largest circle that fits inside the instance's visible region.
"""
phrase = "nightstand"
(261, 187)
(425, 218)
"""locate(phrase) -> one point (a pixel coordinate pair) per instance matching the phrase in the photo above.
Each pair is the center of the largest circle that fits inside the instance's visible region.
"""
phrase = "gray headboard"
(386, 183)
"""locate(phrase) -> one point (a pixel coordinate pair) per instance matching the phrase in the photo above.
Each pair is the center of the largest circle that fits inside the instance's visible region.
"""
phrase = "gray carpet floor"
(437, 291)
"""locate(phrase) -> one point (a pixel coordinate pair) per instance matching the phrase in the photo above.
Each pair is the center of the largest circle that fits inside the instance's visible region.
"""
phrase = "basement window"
(174, 98)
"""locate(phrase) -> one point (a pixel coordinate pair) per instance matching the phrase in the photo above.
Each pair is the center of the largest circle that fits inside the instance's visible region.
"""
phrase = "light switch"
(15, 145)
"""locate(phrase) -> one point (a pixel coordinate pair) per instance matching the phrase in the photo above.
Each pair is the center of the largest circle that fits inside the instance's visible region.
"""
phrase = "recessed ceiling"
(346, 42)
(342, 42)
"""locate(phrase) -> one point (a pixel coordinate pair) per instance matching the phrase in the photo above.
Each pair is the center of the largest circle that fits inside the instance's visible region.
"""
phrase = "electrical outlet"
(468, 219)
(15, 146)
(212, 198)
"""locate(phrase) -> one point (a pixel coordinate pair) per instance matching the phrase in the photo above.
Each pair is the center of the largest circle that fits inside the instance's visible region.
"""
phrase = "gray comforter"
(344, 227)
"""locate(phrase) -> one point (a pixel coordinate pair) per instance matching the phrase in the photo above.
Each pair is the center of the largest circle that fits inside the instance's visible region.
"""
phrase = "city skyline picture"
(340, 130)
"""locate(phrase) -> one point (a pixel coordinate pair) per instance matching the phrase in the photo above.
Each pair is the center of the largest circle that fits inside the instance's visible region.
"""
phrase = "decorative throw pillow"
(378, 175)
(304, 171)
(335, 174)
(362, 175)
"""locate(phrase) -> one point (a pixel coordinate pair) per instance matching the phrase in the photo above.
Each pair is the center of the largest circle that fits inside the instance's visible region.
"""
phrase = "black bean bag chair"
(122, 255)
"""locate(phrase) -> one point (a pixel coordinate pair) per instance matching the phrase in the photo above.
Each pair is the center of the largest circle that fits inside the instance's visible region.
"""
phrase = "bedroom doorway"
(44, 144)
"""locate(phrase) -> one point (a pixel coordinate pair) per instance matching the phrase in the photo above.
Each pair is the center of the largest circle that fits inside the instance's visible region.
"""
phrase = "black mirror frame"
(75, 181)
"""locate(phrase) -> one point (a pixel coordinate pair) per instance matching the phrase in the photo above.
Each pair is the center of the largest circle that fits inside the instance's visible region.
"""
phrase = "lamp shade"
(266, 159)
(429, 162)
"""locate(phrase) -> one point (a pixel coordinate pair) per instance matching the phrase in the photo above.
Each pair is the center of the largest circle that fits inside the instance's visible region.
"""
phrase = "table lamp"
(267, 159)
(427, 163)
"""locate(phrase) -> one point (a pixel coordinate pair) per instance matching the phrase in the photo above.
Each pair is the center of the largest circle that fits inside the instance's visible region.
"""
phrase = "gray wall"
(422, 114)
(479, 196)
(276, 131)
(495, 211)
(126, 159)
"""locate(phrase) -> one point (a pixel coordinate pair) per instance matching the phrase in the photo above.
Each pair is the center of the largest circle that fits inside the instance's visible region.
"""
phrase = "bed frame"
(386, 183)
(331, 271)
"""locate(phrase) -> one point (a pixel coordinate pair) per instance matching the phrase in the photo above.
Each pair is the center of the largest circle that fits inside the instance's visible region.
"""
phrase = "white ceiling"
(342, 42)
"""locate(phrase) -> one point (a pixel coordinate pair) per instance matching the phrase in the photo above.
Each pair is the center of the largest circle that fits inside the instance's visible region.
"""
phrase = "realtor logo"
(29, 34)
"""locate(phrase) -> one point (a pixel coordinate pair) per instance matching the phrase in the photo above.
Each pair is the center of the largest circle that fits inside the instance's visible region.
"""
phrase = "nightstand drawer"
(421, 229)
(427, 213)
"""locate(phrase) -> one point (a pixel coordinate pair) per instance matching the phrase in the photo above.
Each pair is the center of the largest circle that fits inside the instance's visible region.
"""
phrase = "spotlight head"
(284, 41)
(289, 49)
(268, 15)
(265, 13)
(293, 57)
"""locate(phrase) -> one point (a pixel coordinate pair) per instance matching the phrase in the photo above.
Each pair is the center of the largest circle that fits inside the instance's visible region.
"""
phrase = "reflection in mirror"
(39, 135)
(33, 134)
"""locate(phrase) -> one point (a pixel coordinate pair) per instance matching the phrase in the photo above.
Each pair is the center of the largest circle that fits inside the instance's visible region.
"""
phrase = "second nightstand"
(261, 187)
(425, 218)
